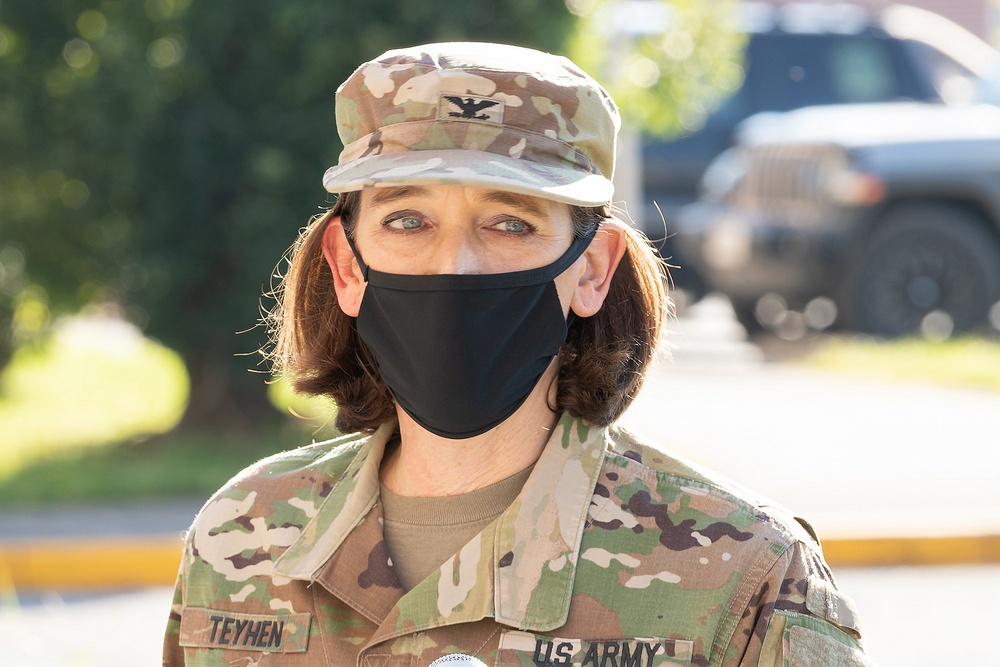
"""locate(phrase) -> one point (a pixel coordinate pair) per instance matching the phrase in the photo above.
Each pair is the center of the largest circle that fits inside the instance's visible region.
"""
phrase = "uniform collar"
(350, 499)
(519, 570)
(538, 537)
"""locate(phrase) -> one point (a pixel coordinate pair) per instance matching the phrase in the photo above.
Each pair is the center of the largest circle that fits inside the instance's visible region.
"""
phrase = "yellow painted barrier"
(90, 563)
(885, 551)
(127, 563)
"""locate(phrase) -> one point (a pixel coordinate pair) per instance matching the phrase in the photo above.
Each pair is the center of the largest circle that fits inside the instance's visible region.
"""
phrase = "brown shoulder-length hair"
(603, 362)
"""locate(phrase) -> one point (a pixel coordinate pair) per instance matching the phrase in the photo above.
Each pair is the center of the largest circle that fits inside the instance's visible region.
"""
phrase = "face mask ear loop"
(573, 253)
(357, 256)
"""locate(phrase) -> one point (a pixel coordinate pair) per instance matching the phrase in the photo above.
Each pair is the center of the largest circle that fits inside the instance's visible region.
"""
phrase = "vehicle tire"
(746, 315)
(922, 259)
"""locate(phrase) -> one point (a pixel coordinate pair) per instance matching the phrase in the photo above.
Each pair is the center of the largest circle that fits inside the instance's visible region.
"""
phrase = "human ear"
(602, 257)
(348, 281)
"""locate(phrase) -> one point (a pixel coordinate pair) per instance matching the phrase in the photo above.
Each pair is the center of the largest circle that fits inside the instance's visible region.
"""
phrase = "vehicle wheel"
(924, 259)
(746, 315)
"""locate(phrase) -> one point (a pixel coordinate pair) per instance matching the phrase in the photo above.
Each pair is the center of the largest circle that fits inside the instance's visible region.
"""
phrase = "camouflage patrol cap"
(486, 115)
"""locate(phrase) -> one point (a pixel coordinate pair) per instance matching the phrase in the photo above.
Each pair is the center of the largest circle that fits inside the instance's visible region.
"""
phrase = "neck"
(427, 465)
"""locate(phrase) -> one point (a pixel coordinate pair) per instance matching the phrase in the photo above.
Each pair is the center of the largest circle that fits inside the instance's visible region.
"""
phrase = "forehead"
(530, 205)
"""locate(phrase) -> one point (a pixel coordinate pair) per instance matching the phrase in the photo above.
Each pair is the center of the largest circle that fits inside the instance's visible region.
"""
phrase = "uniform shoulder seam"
(761, 509)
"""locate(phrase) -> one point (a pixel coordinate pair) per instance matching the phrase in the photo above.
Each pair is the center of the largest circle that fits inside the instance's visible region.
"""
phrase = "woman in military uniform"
(481, 320)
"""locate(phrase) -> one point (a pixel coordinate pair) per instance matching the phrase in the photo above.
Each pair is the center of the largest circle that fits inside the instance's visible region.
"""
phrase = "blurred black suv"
(802, 55)
(879, 218)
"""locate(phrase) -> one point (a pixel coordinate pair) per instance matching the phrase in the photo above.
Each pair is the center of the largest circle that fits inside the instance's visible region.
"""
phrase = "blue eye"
(512, 226)
(405, 222)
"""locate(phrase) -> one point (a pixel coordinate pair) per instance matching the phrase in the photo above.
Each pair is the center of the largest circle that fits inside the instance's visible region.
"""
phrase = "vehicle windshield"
(988, 88)
(965, 69)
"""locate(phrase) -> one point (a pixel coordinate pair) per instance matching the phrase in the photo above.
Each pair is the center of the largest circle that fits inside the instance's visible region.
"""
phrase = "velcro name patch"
(526, 649)
(271, 633)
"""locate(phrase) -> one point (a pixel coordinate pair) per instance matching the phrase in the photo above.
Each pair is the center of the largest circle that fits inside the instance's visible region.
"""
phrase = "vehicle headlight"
(855, 188)
(723, 174)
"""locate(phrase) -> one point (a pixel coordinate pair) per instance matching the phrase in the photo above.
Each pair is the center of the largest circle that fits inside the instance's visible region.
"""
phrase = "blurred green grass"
(93, 381)
(968, 362)
(166, 466)
(89, 413)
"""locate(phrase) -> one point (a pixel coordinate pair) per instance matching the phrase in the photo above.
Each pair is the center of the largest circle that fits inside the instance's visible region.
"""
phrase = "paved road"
(856, 457)
(143, 518)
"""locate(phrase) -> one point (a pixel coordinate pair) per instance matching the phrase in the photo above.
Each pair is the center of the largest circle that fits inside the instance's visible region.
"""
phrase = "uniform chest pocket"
(530, 650)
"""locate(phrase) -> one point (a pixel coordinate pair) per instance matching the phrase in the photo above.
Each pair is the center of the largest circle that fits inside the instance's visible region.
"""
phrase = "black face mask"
(461, 353)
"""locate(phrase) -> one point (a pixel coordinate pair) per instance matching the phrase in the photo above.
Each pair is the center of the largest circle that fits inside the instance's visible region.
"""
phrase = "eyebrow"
(524, 203)
(381, 196)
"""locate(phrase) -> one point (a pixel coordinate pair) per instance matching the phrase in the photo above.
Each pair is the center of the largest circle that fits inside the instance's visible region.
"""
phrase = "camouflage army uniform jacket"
(613, 555)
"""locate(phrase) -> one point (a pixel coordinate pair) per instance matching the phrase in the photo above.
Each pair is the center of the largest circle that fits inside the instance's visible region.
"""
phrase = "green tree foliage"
(667, 63)
(162, 154)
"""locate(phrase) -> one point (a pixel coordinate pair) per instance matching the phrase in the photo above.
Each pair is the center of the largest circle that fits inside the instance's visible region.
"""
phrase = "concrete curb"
(67, 564)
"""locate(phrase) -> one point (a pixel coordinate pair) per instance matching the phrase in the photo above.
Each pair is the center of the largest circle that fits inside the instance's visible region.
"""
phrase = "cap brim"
(473, 168)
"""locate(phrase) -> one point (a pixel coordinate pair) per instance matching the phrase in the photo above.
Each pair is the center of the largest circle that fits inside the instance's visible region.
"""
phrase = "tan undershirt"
(422, 533)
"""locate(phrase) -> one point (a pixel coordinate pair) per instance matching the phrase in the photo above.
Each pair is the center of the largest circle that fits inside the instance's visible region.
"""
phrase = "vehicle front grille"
(795, 179)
